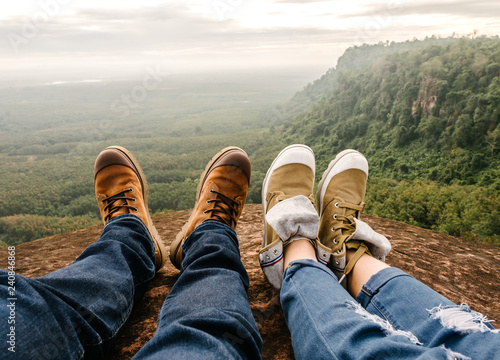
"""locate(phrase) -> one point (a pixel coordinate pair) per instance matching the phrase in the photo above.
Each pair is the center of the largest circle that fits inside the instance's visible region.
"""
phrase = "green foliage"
(50, 137)
(470, 212)
(436, 107)
(426, 112)
(21, 228)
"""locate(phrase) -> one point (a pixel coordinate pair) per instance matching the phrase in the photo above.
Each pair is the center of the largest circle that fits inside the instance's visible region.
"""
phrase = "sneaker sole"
(327, 176)
(145, 190)
(177, 243)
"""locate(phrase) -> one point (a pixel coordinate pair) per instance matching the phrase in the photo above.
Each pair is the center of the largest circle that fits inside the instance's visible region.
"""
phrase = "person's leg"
(393, 299)
(206, 315)
(325, 322)
(363, 270)
(319, 312)
(75, 312)
(411, 306)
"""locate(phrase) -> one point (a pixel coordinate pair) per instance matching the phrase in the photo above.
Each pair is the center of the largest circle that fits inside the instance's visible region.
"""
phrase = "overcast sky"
(87, 39)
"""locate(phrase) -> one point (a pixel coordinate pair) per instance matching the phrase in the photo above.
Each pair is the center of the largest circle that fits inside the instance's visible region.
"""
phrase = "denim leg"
(206, 315)
(326, 323)
(411, 306)
(76, 311)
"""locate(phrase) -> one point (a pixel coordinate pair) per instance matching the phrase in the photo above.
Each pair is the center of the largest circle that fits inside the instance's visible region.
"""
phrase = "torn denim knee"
(453, 355)
(462, 319)
(386, 326)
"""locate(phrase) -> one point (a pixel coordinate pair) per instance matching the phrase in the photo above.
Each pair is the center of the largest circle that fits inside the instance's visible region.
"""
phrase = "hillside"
(426, 114)
(410, 106)
(461, 270)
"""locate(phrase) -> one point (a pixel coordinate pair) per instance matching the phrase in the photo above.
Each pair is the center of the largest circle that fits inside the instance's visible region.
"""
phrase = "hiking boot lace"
(114, 203)
(225, 209)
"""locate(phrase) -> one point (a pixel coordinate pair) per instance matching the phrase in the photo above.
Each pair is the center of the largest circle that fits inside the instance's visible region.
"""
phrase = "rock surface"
(464, 272)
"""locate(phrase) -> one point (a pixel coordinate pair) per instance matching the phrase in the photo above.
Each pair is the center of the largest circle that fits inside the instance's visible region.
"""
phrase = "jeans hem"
(209, 225)
(295, 265)
(136, 218)
(376, 282)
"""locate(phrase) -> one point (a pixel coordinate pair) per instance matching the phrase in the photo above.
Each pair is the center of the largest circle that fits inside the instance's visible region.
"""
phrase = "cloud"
(186, 35)
(155, 29)
(462, 8)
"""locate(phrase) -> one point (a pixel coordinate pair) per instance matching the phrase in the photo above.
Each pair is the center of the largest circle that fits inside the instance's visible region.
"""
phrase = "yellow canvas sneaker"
(289, 213)
(340, 200)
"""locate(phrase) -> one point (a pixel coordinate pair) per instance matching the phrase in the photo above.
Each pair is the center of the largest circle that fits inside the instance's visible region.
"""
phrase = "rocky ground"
(463, 271)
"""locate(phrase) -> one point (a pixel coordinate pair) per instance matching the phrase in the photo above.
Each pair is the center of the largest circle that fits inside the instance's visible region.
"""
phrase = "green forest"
(424, 112)
(426, 116)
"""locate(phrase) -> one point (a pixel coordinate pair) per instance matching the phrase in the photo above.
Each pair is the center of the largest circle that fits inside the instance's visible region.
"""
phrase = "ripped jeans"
(395, 317)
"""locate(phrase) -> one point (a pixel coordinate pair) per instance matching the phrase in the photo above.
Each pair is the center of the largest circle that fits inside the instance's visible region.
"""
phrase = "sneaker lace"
(116, 202)
(343, 227)
(225, 209)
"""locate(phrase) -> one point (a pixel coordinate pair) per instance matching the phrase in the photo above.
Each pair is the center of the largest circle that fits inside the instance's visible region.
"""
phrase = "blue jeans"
(77, 311)
(395, 317)
(206, 315)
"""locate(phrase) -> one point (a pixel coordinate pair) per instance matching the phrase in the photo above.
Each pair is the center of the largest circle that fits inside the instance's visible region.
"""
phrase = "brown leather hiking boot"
(121, 188)
(220, 195)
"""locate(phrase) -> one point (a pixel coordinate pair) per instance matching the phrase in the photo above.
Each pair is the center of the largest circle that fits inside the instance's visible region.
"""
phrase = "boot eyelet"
(335, 217)
(208, 201)
(134, 200)
(205, 212)
(211, 191)
(337, 205)
(335, 241)
(131, 190)
(136, 210)
(339, 251)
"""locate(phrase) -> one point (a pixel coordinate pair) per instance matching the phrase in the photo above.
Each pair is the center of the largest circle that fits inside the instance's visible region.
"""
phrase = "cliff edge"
(465, 272)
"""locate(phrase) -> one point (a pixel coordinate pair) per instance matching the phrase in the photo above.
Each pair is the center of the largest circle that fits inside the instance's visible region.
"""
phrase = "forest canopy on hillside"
(427, 119)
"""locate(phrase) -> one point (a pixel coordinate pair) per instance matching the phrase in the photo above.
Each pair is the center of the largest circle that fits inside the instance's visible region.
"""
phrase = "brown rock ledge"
(465, 272)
